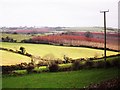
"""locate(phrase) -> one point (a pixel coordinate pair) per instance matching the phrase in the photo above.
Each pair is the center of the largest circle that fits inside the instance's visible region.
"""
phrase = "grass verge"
(71, 79)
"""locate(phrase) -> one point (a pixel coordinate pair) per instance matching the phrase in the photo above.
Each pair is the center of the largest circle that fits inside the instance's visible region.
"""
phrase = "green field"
(9, 58)
(52, 52)
(72, 79)
(17, 37)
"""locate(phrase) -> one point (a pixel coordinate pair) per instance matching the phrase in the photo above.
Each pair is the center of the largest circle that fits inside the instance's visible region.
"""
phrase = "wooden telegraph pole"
(104, 33)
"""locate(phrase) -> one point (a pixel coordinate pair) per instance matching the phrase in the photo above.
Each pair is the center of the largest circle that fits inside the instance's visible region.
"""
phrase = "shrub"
(60, 61)
(11, 50)
(27, 54)
(24, 65)
(76, 65)
(72, 61)
(99, 64)
(6, 49)
(53, 67)
(66, 59)
(61, 44)
(16, 67)
(82, 59)
(108, 64)
(19, 52)
(115, 62)
(91, 58)
(30, 67)
(7, 69)
(88, 64)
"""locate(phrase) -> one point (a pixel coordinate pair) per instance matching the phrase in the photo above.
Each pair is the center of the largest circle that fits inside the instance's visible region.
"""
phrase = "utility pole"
(104, 33)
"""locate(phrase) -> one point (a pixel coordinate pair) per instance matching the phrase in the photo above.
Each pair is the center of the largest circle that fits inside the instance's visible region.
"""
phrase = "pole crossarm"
(104, 11)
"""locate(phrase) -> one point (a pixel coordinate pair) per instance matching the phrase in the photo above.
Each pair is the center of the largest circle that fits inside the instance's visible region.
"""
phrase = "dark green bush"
(23, 65)
(30, 67)
(115, 62)
(108, 64)
(91, 58)
(88, 64)
(72, 61)
(19, 52)
(7, 69)
(11, 50)
(16, 67)
(27, 54)
(53, 67)
(19, 66)
(99, 64)
(76, 65)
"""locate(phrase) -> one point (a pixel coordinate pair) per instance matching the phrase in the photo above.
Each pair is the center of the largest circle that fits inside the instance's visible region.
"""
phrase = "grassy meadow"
(71, 79)
(17, 37)
(9, 58)
(54, 52)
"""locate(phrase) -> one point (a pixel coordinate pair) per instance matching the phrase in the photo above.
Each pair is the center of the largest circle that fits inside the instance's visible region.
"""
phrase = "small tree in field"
(22, 49)
(66, 58)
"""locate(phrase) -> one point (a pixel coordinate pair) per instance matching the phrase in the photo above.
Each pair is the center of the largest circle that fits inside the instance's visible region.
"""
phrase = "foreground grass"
(73, 79)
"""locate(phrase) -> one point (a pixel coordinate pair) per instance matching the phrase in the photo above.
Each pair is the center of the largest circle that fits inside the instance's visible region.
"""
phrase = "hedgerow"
(54, 66)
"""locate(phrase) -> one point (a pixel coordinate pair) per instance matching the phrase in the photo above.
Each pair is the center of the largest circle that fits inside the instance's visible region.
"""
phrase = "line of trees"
(8, 39)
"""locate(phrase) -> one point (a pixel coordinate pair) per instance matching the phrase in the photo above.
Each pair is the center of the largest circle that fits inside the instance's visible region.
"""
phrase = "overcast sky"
(69, 13)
